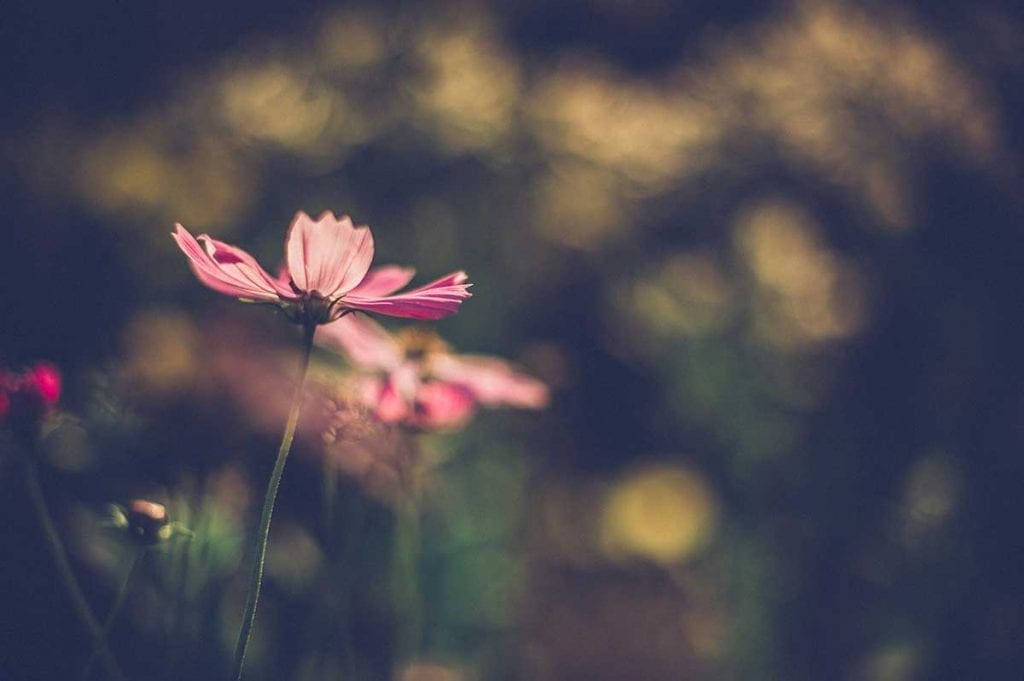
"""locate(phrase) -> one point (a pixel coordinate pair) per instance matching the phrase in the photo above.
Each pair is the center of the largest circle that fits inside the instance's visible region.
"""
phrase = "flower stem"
(407, 564)
(67, 576)
(256, 577)
(175, 646)
(112, 615)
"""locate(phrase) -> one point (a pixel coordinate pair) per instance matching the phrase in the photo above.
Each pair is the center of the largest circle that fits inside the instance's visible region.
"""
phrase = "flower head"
(414, 378)
(146, 522)
(45, 382)
(326, 274)
(28, 397)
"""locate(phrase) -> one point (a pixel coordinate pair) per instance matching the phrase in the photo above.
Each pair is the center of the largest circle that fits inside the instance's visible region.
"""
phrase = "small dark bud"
(147, 522)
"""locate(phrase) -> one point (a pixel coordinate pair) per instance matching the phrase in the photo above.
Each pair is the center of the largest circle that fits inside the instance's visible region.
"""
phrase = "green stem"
(112, 615)
(256, 577)
(407, 549)
(337, 627)
(329, 499)
(176, 645)
(67, 575)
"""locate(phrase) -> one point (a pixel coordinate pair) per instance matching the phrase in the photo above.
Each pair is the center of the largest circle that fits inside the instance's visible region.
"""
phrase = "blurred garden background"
(767, 256)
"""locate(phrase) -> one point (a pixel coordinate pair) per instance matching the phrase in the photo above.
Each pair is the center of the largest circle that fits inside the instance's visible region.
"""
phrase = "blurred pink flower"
(45, 381)
(27, 397)
(414, 378)
(325, 275)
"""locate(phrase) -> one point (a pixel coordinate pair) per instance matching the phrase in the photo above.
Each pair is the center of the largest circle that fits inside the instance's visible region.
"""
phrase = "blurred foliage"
(767, 255)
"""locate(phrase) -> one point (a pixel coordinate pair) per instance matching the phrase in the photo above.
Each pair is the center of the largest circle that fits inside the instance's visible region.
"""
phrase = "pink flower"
(29, 396)
(46, 383)
(415, 379)
(326, 274)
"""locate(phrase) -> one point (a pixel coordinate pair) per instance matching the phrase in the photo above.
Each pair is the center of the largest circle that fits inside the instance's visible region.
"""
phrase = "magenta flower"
(326, 274)
(46, 382)
(29, 396)
(413, 377)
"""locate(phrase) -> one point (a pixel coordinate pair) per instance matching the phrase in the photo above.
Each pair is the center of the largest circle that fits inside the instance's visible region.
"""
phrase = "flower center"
(317, 307)
(417, 343)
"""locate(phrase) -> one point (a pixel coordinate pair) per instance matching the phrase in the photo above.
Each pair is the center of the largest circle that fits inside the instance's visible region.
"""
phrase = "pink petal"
(228, 269)
(328, 255)
(389, 396)
(442, 405)
(492, 381)
(380, 281)
(236, 262)
(435, 300)
(363, 341)
(283, 277)
(389, 406)
(406, 379)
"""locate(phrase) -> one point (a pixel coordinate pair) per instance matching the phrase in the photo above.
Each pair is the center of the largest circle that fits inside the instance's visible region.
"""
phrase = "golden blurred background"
(767, 256)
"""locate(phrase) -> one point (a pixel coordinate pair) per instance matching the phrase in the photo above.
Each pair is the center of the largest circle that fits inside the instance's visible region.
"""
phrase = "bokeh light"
(766, 258)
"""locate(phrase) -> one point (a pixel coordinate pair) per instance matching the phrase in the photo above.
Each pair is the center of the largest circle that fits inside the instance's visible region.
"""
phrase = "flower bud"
(26, 399)
(147, 522)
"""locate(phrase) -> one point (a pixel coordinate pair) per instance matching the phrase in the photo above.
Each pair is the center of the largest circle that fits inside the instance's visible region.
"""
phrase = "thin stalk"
(354, 519)
(337, 626)
(176, 644)
(67, 575)
(256, 577)
(112, 615)
(407, 558)
(329, 500)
